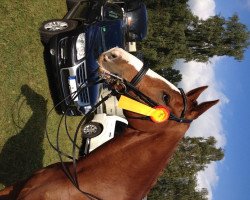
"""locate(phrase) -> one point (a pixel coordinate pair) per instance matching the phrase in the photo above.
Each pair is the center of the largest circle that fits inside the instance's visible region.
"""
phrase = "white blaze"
(138, 64)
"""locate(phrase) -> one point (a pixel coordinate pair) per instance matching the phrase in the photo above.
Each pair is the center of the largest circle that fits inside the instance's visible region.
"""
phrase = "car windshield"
(112, 34)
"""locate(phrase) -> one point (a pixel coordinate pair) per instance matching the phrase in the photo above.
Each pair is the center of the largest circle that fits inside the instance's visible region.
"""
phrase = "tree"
(216, 36)
(172, 75)
(178, 181)
(175, 33)
(197, 152)
(166, 40)
(177, 189)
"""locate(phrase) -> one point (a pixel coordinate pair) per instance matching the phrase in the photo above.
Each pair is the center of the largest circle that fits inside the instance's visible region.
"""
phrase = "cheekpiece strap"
(139, 76)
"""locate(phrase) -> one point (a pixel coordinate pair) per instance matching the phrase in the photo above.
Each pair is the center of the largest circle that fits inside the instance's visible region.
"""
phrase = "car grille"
(64, 77)
(79, 72)
(81, 78)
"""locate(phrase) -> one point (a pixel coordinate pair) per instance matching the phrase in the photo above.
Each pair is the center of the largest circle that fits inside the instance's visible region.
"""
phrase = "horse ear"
(201, 108)
(195, 93)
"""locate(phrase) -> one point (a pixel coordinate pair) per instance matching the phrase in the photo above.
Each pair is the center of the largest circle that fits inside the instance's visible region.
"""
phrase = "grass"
(25, 96)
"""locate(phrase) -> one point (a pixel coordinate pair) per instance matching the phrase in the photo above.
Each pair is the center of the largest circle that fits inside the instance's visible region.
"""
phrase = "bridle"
(131, 86)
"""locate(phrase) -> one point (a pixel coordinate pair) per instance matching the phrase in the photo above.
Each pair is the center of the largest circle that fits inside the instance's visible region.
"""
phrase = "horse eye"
(166, 98)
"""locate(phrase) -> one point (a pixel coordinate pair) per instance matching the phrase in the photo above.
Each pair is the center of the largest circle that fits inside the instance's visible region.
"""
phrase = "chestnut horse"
(126, 167)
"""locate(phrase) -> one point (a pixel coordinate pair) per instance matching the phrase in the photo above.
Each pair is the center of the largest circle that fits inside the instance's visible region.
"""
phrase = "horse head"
(157, 88)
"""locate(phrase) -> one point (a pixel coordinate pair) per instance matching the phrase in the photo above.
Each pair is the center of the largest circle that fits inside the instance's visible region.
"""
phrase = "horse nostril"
(112, 56)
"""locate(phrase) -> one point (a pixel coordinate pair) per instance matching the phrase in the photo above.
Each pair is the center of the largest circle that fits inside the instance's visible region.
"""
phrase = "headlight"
(80, 46)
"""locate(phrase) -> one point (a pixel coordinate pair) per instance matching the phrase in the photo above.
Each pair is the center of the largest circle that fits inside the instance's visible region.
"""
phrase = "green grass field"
(25, 96)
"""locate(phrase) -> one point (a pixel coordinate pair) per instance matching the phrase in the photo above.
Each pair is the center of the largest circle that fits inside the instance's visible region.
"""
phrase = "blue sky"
(233, 172)
(234, 181)
(229, 122)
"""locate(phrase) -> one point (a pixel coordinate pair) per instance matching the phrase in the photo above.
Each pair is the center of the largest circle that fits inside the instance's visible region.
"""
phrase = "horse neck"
(136, 159)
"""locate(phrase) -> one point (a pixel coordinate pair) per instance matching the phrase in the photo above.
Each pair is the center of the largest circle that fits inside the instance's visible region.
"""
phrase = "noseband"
(131, 86)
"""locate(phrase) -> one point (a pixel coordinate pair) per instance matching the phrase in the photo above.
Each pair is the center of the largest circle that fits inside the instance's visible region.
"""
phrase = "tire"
(91, 129)
(55, 26)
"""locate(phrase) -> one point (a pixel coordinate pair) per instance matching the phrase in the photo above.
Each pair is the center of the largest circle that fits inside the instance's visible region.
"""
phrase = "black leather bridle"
(131, 86)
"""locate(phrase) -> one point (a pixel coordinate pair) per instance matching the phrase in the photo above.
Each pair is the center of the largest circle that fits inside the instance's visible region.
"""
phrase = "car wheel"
(91, 129)
(55, 26)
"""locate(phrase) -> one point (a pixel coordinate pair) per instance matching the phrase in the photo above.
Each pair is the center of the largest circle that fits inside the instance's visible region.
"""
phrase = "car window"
(119, 127)
(112, 34)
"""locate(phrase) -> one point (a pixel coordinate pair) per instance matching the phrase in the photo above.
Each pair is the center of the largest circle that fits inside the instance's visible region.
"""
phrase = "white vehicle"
(109, 106)
(100, 130)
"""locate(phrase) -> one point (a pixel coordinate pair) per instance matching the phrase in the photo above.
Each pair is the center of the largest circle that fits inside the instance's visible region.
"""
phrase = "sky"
(228, 121)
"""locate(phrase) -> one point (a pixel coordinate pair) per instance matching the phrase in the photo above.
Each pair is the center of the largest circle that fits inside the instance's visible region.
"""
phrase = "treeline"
(178, 181)
(175, 33)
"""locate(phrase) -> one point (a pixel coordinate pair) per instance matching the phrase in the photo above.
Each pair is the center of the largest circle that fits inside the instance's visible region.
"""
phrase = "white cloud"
(199, 74)
(202, 8)
(194, 75)
(208, 179)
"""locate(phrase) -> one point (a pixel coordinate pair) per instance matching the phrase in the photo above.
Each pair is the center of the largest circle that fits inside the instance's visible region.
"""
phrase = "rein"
(72, 176)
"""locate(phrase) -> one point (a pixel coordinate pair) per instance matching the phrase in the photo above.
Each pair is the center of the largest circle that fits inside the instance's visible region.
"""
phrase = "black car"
(73, 44)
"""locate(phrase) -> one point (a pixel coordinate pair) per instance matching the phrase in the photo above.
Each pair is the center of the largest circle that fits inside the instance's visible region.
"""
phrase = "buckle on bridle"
(120, 88)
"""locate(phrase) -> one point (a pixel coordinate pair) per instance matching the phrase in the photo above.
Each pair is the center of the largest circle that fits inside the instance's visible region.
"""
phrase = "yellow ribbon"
(158, 114)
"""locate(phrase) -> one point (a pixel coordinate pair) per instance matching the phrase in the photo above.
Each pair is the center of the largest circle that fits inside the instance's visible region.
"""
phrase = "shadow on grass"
(23, 153)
